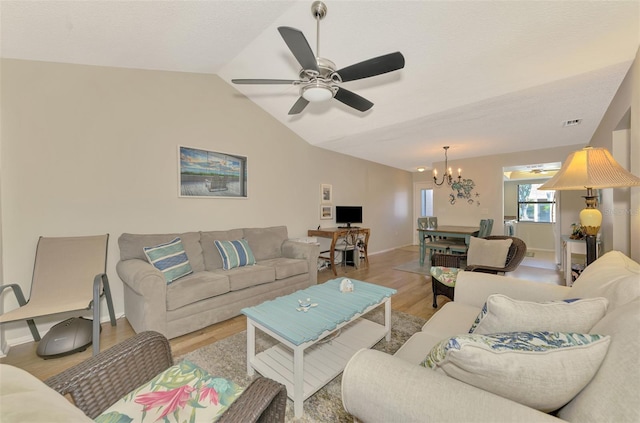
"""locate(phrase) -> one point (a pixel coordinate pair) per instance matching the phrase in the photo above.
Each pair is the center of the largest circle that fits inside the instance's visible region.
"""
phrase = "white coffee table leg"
(387, 318)
(251, 346)
(298, 381)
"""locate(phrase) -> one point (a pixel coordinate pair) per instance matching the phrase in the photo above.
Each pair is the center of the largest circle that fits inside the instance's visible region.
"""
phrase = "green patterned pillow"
(235, 253)
(169, 258)
(542, 370)
(446, 275)
(182, 393)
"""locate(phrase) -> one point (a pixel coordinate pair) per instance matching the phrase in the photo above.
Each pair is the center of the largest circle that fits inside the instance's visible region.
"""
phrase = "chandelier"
(447, 171)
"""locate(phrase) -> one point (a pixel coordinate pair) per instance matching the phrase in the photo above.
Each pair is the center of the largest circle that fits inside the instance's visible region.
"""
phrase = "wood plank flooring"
(414, 297)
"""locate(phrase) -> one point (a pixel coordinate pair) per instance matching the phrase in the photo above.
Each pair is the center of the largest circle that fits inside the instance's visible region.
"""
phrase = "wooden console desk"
(335, 234)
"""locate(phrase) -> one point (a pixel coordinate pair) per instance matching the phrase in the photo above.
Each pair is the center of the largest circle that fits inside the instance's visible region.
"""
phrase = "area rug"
(414, 267)
(228, 358)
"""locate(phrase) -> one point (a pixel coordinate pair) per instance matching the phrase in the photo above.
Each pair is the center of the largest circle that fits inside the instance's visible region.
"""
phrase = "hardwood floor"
(414, 297)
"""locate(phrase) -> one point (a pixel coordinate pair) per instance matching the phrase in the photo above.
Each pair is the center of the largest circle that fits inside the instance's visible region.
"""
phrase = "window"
(534, 205)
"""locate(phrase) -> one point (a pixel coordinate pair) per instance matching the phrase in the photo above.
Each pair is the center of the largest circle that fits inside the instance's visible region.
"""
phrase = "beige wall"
(486, 172)
(623, 208)
(90, 150)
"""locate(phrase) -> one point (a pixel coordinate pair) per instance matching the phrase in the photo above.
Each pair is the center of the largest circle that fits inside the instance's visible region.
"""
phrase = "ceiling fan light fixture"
(315, 93)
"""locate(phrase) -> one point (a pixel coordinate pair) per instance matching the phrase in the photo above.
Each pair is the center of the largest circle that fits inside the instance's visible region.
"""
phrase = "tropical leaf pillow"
(182, 393)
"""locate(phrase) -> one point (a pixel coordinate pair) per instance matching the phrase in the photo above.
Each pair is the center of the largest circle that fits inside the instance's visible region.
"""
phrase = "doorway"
(423, 205)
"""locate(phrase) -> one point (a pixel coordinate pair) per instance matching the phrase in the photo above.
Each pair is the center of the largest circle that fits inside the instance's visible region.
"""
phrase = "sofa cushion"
(170, 259)
(613, 276)
(235, 253)
(24, 398)
(503, 314)
(211, 256)
(612, 395)
(196, 287)
(266, 243)
(184, 392)
(543, 370)
(132, 246)
(488, 252)
(287, 267)
(244, 277)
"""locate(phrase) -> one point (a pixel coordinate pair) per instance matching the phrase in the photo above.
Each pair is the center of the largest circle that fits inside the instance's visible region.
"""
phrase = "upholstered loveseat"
(378, 387)
(210, 294)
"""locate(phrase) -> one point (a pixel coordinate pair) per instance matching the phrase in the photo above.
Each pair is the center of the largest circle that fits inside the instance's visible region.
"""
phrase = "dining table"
(444, 231)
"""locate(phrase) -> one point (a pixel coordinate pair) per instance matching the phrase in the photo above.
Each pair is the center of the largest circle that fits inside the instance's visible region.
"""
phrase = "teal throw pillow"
(170, 259)
(235, 253)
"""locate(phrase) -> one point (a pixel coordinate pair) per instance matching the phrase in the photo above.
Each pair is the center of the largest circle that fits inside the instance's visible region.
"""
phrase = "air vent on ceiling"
(572, 122)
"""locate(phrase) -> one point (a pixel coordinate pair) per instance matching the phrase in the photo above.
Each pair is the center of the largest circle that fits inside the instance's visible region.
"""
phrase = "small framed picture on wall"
(326, 212)
(325, 194)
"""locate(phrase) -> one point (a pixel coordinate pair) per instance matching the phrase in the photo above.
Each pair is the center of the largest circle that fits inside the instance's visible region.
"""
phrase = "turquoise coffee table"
(301, 361)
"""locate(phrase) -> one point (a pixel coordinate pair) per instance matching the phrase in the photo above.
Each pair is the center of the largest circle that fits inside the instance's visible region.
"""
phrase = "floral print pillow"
(182, 393)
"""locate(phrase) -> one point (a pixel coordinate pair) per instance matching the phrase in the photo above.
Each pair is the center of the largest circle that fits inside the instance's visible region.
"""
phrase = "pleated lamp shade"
(591, 168)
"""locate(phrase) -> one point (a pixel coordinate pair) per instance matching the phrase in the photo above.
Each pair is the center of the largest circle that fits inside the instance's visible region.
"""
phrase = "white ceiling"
(484, 77)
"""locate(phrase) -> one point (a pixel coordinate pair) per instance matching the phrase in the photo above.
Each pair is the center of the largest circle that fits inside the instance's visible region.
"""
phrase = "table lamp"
(590, 168)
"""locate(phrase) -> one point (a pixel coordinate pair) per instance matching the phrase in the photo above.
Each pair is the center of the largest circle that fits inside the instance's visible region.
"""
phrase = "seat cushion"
(287, 267)
(196, 287)
(182, 393)
(446, 275)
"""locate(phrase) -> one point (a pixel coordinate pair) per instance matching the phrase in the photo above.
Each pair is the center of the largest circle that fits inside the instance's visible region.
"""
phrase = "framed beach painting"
(326, 212)
(211, 174)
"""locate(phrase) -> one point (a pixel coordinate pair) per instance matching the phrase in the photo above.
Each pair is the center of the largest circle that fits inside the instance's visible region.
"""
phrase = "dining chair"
(445, 267)
(69, 274)
(486, 226)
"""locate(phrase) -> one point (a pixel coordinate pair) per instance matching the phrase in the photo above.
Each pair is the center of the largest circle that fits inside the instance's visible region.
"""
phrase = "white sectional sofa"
(377, 387)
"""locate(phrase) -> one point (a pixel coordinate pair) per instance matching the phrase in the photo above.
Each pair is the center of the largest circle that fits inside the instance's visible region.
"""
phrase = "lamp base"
(592, 251)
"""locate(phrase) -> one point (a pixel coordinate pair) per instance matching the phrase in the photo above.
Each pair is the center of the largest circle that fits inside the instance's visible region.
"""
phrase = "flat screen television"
(346, 215)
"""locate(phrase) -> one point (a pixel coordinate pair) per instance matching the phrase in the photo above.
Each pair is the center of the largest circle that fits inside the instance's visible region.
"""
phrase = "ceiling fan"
(318, 79)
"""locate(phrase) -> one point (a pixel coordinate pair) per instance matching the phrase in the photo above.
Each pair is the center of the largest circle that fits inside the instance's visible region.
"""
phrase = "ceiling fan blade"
(372, 67)
(299, 46)
(352, 99)
(299, 106)
(263, 81)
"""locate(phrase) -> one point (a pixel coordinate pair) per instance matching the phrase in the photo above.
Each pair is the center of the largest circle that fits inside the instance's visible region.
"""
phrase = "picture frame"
(326, 194)
(326, 212)
(211, 174)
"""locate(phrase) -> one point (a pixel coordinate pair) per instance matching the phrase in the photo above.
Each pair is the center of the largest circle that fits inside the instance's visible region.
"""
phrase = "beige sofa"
(210, 294)
(378, 387)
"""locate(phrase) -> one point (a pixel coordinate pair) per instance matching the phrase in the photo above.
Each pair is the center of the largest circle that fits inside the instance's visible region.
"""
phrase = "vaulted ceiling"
(483, 77)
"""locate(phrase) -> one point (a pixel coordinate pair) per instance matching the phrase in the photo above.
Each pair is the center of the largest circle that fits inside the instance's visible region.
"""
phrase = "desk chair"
(69, 274)
(350, 242)
(445, 267)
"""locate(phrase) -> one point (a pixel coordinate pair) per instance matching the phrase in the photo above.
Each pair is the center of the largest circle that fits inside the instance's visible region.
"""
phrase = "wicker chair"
(516, 254)
(99, 382)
